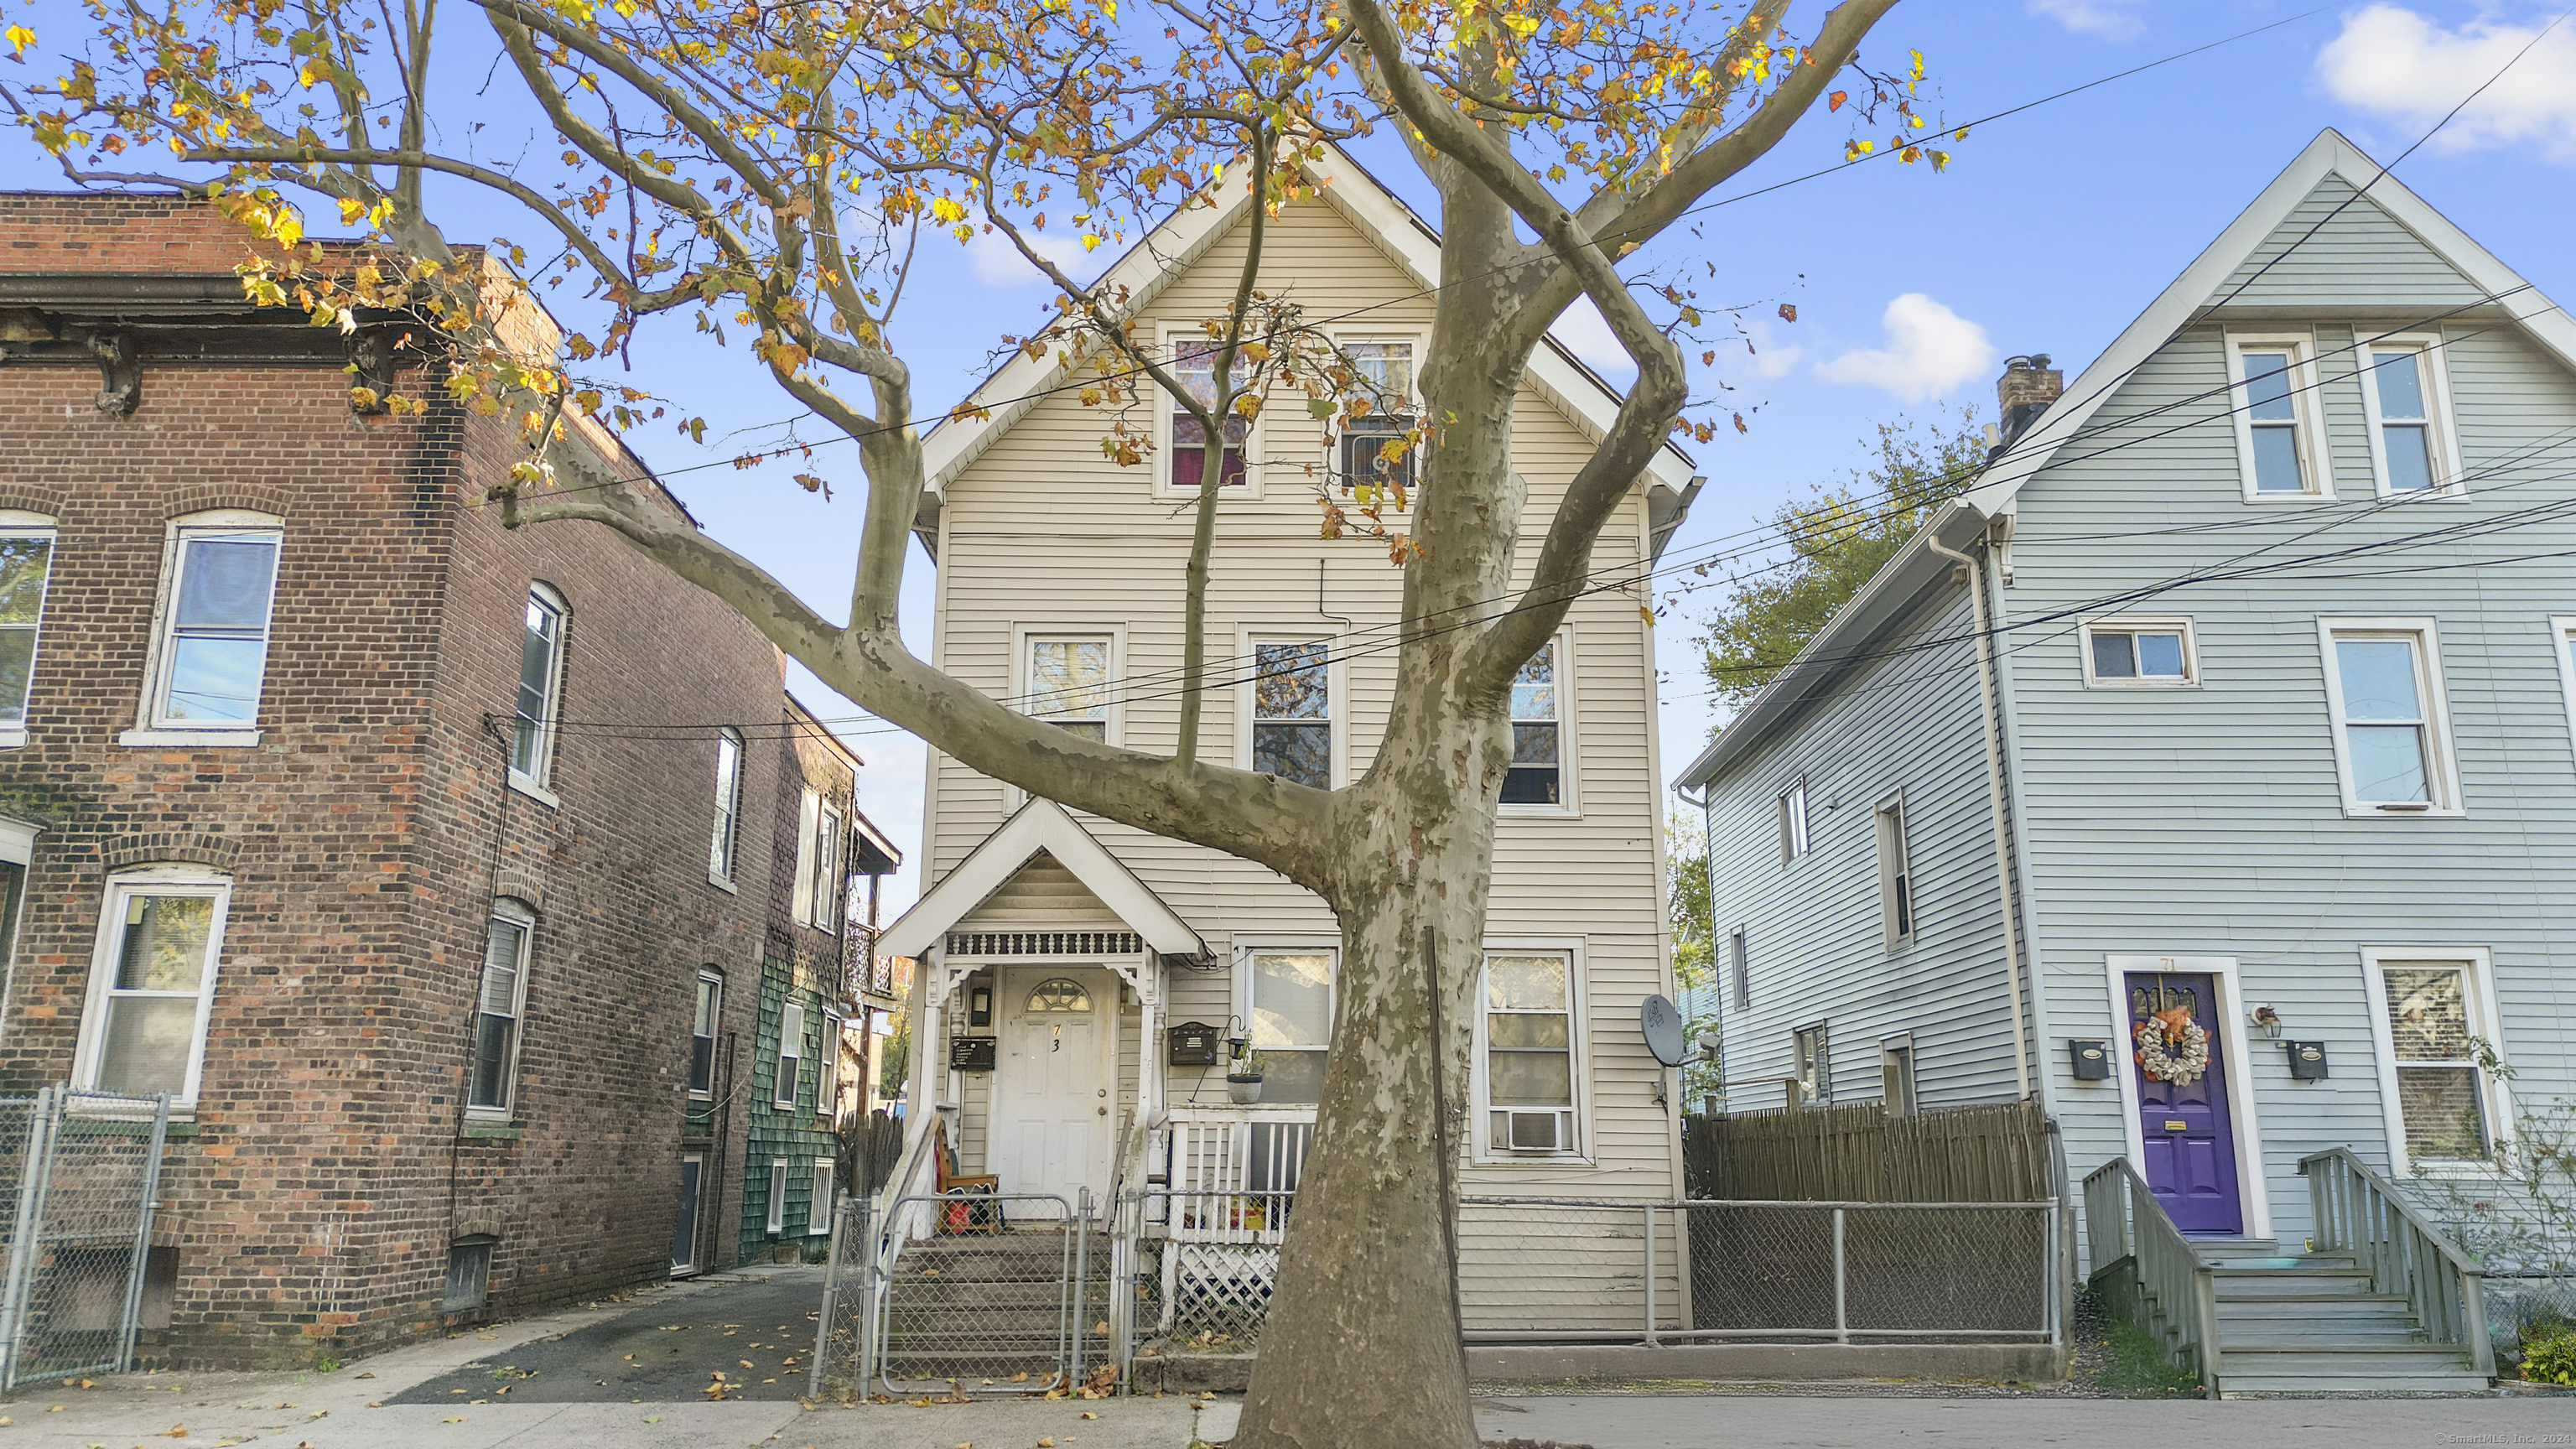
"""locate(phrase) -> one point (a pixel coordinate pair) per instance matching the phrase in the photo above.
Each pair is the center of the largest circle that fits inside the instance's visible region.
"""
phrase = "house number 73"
(1056, 1042)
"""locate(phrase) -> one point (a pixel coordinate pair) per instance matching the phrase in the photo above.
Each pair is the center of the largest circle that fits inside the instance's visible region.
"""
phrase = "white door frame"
(2252, 1195)
(1104, 985)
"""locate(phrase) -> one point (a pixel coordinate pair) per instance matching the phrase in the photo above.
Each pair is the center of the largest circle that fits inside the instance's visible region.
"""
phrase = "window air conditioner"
(1364, 438)
(1544, 1130)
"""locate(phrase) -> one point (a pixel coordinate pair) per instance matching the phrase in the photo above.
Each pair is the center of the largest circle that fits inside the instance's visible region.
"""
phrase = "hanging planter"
(1243, 1087)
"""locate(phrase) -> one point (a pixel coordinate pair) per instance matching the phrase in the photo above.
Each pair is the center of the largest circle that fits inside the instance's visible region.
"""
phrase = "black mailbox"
(1194, 1044)
(2307, 1060)
(971, 1054)
(2092, 1060)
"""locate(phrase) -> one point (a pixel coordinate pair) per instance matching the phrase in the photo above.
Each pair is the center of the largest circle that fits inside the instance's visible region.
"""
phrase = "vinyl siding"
(1904, 716)
(2210, 821)
(2358, 256)
(1040, 532)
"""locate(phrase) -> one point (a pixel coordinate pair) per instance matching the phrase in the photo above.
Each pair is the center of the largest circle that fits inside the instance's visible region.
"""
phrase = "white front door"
(1051, 1097)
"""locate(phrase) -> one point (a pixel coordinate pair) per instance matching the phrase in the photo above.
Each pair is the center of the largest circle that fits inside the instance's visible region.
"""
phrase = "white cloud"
(1930, 350)
(997, 263)
(1586, 334)
(1768, 359)
(2396, 64)
(2109, 19)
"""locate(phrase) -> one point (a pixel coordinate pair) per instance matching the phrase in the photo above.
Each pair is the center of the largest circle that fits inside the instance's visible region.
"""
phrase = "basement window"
(469, 1273)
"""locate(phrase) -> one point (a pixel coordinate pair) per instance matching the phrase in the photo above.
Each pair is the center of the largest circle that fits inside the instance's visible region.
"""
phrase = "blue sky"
(2048, 232)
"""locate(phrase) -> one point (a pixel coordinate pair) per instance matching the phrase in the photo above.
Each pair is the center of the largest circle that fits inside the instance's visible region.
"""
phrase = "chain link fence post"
(830, 1317)
(33, 1170)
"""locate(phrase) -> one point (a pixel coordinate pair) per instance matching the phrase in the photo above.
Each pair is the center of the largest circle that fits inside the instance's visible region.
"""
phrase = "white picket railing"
(1230, 1172)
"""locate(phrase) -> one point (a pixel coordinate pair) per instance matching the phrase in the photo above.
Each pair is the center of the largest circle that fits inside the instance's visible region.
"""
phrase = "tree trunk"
(1362, 1348)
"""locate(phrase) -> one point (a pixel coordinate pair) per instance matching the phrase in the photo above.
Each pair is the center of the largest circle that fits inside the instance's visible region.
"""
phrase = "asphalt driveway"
(758, 1334)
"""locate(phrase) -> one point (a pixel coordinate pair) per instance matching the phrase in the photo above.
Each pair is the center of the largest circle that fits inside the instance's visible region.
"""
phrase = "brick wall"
(324, 1176)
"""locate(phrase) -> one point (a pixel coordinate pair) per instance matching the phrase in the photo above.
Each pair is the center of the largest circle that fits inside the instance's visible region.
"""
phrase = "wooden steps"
(2312, 1325)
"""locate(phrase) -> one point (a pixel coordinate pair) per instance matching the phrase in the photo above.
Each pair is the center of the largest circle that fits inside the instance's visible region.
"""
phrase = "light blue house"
(2238, 689)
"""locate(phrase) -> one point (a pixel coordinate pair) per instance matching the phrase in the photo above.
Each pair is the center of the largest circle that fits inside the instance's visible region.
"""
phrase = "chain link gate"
(80, 1172)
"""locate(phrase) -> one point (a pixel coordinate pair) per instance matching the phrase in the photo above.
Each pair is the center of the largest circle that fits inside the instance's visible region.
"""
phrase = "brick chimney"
(2025, 390)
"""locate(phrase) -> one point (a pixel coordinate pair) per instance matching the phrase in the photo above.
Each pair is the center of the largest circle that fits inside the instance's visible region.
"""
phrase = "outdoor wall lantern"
(979, 1006)
(2092, 1060)
(2266, 1021)
(2307, 1061)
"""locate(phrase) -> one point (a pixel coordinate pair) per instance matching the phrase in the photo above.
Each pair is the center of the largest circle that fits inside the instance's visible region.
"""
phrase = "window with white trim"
(1896, 1075)
(211, 649)
(1811, 1077)
(818, 1207)
(1291, 1016)
(2414, 451)
(2279, 427)
(728, 816)
(1791, 807)
(1528, 1042)
(500, 1006)
(1374, 442)
(1068, 683)
(2392, 742)
(1292, 710)
(827, 1063)
(777, 1198)
(704, 1024)
(26, 567)
(1537, 774)
(2562, 633)
(152, 982)
(2435, 1019)
(828, 886)
(1739, 957)
(1194, 368)
(2139, 653)
(1895, 873)
(784, 1078)
(540, 698)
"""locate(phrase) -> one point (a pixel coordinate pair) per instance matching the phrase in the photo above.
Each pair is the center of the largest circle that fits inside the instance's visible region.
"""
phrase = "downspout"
(1994, 800)
(2025, 878)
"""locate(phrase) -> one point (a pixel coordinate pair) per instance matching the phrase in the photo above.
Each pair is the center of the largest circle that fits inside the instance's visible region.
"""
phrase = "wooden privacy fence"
(1993, 1153)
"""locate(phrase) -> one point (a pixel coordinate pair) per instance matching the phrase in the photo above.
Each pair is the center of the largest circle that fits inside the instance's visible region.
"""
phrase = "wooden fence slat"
(1988, 1153)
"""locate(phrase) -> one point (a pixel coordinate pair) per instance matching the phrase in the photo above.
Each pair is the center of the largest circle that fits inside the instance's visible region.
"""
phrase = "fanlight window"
(1059, 993)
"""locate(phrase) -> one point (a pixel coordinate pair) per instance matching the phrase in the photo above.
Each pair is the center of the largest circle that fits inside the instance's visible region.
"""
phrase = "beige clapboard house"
(1077, 945)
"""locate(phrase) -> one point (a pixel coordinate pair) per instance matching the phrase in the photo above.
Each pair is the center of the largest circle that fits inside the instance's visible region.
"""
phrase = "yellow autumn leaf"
(947, 211)
(19, 38)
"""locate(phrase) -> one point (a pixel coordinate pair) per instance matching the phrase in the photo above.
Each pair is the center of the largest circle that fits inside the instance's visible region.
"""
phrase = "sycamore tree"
(765, 173)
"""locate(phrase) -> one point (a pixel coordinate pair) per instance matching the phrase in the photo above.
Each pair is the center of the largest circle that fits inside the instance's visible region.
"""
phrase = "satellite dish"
(1661, 1022)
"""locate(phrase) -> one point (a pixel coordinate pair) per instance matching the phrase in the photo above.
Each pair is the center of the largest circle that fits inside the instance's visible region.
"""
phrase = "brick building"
(393, 844)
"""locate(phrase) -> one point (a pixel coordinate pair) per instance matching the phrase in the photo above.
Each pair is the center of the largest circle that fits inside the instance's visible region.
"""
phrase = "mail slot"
(2307, 1061)
(2175, 1124)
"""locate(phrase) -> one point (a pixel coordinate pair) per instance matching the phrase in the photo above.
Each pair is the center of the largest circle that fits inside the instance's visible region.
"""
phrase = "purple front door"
(2190, 1144)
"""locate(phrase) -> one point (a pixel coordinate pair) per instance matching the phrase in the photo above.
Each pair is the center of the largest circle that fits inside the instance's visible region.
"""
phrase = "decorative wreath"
(2167, 1055)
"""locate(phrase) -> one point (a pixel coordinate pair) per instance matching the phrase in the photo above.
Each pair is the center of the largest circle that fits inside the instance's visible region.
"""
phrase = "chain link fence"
(979, 1293)
(79, 1173)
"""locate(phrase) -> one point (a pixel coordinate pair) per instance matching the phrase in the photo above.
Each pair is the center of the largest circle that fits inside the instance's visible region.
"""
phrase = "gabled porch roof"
(1040, 825)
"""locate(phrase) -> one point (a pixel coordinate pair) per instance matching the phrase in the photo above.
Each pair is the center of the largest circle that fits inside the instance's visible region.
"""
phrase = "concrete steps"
(2312, 1325)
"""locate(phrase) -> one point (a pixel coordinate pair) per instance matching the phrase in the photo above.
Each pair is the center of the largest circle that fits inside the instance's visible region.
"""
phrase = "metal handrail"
(2172, 1287)
(2356, 1211)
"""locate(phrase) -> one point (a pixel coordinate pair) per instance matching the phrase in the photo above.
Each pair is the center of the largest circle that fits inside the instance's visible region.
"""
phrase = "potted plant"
(1244, 1085)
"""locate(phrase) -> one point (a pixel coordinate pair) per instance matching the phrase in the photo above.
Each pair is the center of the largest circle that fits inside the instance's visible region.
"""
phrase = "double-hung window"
(1292, 710)
(1791, 807)
(827, 1072)
(818, 1210)
(2279, 428)
(1811, 1077)
(1194, 367)
(2407, 397)
(784, 1080)
(1376, 443)
(540, 701)
(2139, 653)
(1292, 1022)
(828, 884)
(1067, 683)
(703, 1026)
(1896, 1075)
(1529, 1075)
(1895, 873)
(212, 647)
(1537, 775)
(26, 566)
(500, 1006)
(777, 1221)
(152, 983)
(1739, 958)
(2392, 742)
(2431, 1019)
(728, 817)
